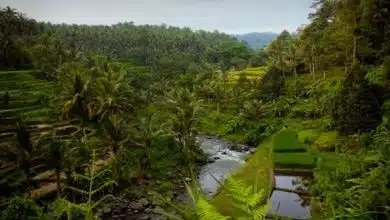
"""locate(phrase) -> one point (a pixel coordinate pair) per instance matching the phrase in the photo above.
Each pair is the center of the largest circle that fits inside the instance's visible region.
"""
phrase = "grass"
(286, 141)
(25, 89)
(258, 170)
(295, 160)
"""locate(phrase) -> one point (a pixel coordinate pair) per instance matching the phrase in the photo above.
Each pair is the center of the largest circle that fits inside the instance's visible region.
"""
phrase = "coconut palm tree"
(143, 133)
(75, 97)
(114, 128)
(56, 157)
(25, 147)
(184, 107)
(254, 109)
(113, 93)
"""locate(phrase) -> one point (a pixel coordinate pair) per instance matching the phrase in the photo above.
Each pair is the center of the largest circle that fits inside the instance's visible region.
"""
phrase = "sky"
(230, 16)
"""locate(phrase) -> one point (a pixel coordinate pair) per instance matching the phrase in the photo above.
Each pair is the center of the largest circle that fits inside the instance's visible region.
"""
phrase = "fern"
(63, 207)
(247, 198)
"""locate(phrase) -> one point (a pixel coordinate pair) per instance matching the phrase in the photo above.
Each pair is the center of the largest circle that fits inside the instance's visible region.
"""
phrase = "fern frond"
(108, 183)
(260, 212)
(77, 190)
(256, 198)
(206, 211)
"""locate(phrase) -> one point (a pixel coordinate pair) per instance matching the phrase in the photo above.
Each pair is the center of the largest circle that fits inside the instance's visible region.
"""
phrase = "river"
(224, 161)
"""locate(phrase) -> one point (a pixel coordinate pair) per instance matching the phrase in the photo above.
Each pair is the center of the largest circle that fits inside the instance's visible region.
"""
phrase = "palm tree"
(56, 157)
(78, 155)
(25, 148)
(144, 132)
(254, 109)
(185, 108)
(115, 128)
(75, 95)
(113, 93)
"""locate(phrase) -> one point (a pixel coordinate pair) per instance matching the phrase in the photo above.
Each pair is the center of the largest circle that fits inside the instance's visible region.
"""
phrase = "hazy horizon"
(229, 16)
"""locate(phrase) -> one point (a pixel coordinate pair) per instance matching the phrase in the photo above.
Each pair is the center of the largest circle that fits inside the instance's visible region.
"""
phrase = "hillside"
(257, 39)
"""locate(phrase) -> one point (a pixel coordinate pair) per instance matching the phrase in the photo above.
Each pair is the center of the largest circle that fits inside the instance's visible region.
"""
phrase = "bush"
(357, 106)
(327, 141)
(308, 136)
(258, 132)
(271, 85)
(21, 208)
(307, 109)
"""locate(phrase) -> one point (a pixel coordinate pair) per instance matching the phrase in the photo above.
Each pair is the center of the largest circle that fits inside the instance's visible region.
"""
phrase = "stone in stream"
(106, 210)
(136, 206)
(144, 201)
(123, 205)
(144, 217)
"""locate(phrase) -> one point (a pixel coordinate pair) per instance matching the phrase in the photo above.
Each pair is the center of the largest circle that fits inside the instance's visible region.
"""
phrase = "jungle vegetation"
(94, 117)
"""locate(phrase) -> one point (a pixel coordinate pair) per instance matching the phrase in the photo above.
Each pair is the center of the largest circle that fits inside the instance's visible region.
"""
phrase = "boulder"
(136, 206)
(143, 217)
(106, 210)
(143, 201)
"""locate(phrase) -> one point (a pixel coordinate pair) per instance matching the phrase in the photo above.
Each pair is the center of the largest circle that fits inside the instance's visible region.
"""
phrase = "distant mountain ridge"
(257, 39)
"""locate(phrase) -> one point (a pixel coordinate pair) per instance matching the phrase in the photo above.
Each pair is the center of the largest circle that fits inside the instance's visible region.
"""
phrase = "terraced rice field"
(251, 74)
(28, 95)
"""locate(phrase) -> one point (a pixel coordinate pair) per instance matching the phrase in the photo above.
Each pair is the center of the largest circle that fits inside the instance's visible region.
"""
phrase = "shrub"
(327, 141)
(258, 132)
(271, 85)
(357, 106)
(308, 136)
(21, 208)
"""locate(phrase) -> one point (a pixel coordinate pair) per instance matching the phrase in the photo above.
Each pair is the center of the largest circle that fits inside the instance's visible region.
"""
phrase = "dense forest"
(106, 122)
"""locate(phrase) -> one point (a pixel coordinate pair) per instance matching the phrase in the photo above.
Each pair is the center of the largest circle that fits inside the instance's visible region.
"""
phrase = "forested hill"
(164, 48)
(257, 39)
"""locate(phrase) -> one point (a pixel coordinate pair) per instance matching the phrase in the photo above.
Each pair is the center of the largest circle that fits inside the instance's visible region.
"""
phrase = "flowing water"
(224, 161)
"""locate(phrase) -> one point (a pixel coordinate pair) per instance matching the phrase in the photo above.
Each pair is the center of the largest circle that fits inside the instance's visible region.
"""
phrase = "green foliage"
(356, 107)
(66, 208)
(253, 110)
(258, 132)
(327, 141)
(271, 85)
(249, 199)
(308, 136)
(21, 208)
(16, 32)
(259, 166)
(184, 108)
